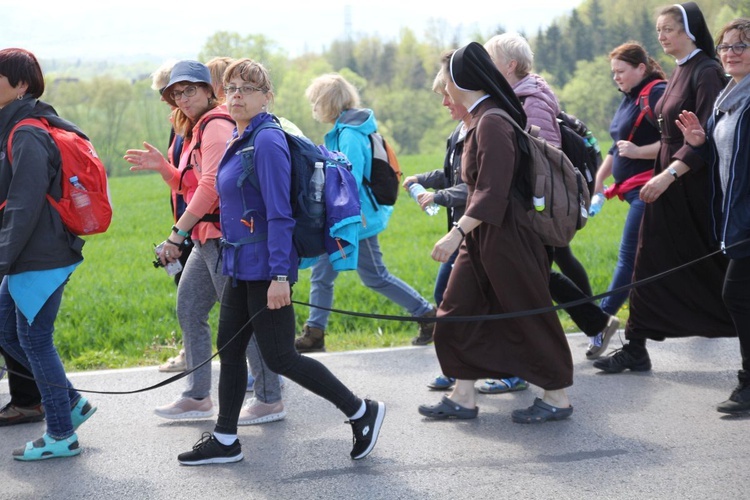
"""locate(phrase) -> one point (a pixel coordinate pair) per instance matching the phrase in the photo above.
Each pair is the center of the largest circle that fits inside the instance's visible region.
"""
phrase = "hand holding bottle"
(597, 202)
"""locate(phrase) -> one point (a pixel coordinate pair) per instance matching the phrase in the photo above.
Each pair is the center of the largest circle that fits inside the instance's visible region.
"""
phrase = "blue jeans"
(623, 274)
(32, 345)
(374, 275)
(444, 272)
(275, 331)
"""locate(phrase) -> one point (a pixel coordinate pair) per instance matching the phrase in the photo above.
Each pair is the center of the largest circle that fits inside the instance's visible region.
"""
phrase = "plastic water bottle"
(597, 202)
(415, 189)
(591, 140)
(82, 202)
(317, 186)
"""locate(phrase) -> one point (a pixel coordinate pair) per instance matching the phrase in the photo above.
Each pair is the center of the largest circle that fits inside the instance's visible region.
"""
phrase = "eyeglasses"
(188, 92)
(737, 48)
(244, 90)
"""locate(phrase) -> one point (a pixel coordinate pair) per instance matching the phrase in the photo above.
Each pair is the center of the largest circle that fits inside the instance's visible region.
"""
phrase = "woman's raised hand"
(691, 128)
(146, 159)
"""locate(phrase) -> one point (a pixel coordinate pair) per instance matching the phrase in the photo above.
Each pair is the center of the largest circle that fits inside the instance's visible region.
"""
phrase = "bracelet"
(180, 232)
(178, 245)
(672, 171)
(457, 226)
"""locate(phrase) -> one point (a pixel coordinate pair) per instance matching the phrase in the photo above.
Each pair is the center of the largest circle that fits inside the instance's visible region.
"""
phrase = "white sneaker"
(186, 408)
(255, 412)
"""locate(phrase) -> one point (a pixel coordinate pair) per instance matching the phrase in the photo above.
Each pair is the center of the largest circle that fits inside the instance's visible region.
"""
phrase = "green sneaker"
(45, 447)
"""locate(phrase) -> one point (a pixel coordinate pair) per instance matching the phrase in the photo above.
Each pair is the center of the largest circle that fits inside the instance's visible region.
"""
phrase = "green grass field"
(118, 310)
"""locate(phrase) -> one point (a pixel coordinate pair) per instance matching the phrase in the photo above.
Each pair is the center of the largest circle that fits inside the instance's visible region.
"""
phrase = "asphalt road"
(641, 436)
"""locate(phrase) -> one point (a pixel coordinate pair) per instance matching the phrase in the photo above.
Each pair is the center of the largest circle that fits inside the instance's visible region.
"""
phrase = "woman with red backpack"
(37, 253)
(635, 143)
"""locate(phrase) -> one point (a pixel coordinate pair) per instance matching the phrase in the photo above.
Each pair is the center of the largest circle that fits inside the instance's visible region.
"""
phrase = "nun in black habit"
(501, 266)
(676, 226)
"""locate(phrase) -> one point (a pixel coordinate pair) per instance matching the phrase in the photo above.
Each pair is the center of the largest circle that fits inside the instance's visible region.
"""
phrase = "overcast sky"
(132, 28)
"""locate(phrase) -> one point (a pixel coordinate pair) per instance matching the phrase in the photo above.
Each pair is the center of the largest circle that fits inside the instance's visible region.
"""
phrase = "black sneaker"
(623, 359)
(208, 450)
(367, 428)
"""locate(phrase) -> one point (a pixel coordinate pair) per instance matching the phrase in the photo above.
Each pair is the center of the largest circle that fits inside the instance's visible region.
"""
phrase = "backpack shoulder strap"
(203, 123)
(31, 122)
(248, 167)
(646, 111)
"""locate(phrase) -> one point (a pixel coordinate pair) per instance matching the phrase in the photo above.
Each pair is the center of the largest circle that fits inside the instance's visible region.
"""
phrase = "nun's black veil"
(696, 24)
(471, 68)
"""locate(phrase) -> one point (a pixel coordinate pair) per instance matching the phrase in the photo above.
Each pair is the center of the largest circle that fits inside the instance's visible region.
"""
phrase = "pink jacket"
(199, 183)
(541, 107)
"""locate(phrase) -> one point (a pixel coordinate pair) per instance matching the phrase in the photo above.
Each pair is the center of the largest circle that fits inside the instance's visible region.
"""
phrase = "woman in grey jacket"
(37, 253)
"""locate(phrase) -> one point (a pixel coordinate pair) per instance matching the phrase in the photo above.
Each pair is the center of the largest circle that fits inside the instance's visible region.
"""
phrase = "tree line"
(394, 77)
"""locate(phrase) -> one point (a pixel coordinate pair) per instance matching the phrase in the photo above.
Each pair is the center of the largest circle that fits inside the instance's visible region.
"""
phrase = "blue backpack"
(315, 233)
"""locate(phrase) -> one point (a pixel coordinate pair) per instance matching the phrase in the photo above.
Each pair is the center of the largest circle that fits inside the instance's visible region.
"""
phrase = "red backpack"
(646, 110)
(78, 160)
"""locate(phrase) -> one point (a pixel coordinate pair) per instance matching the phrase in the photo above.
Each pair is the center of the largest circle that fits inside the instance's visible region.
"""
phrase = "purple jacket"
(541, 107)
(268, 211)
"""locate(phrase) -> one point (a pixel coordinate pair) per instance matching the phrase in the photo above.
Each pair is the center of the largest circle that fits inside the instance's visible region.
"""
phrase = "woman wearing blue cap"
(202, 119)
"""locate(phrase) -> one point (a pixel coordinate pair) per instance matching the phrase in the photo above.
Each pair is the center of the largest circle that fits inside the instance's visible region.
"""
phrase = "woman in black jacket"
(37, 253)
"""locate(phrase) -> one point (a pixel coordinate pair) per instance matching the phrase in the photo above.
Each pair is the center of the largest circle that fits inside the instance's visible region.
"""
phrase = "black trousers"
(274, 331)
(736, 295)
(23, 391)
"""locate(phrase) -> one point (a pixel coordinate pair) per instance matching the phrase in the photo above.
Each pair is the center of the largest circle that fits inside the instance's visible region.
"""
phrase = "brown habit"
(676, 229)
(502, 267)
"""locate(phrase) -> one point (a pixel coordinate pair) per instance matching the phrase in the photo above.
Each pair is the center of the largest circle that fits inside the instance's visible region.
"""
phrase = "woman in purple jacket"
(257, 301)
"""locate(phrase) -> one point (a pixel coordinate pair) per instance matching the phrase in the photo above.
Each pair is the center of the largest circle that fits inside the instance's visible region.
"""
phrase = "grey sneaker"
(426, 329)
(186, 409)
(599, 343)
(256, 412)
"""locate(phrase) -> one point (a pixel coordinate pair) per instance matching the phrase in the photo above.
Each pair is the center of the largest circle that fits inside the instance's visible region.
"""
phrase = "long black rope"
(443, 319)
(168, 381)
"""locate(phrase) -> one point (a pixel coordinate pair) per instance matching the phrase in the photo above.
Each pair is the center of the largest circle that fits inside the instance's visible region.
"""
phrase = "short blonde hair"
(160, 77)
(511, 47)
(217, 66)
(329, 95)
(438, 84)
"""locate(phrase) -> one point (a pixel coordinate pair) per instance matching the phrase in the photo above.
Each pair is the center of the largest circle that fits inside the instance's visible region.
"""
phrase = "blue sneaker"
(45, 447)
(441, 383)
(512, 384)
(81, 412)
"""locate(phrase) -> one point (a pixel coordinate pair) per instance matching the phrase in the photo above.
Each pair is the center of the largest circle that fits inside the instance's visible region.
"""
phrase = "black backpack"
(311, 228)
(580, 146)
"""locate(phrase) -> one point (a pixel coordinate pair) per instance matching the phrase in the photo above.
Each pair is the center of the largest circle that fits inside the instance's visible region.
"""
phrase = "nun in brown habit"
(501, 266)
(676, 227)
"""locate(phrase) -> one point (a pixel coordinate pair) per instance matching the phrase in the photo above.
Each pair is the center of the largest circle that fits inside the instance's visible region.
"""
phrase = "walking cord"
(443, 319)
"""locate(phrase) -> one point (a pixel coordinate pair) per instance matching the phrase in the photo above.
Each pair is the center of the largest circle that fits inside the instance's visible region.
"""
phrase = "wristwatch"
(180, 232)
(281, 278)
(672, 171)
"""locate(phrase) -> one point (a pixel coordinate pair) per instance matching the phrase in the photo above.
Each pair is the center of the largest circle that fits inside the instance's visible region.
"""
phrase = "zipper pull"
(341, 249)
(250, 224)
